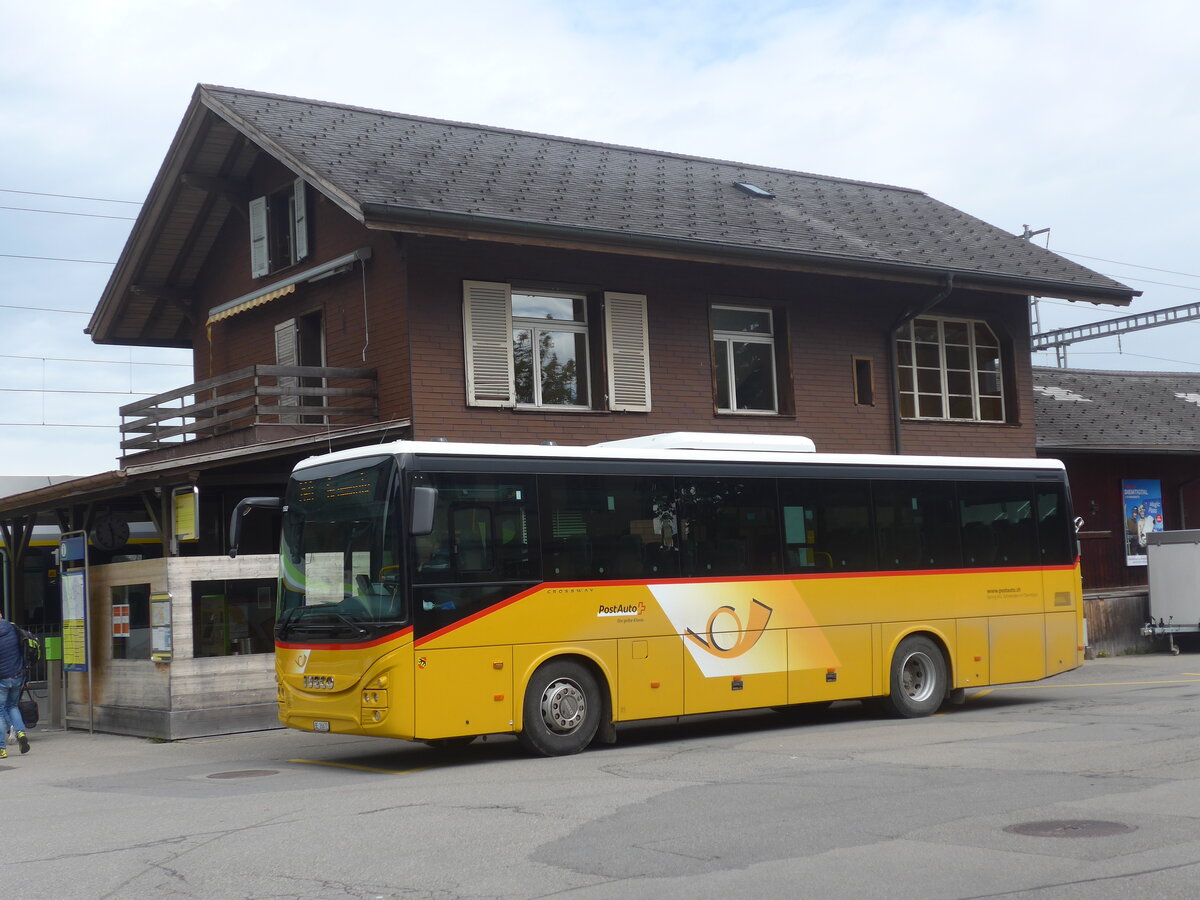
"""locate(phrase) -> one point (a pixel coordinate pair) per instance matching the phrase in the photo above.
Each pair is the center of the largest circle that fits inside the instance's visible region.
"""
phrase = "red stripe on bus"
(647, 582)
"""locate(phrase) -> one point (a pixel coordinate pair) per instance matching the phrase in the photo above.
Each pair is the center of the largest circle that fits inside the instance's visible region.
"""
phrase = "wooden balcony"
(301, 398)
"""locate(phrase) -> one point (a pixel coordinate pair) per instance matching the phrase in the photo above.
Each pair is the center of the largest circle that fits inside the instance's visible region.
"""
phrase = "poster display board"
(160, 627)
(185, 505)
(1141, 500)
(74, 580)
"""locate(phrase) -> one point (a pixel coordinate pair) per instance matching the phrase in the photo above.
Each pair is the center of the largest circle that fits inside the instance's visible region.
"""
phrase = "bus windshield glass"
(340, 574)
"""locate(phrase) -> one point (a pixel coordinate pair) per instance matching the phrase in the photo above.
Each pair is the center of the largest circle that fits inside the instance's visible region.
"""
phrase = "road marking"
(338, 765)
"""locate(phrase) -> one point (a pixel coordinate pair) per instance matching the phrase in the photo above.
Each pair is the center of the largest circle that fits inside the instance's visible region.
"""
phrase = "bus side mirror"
(240, 511)
(424, 501)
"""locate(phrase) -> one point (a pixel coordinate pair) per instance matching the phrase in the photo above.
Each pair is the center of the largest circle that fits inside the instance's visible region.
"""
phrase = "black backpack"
(31, 648)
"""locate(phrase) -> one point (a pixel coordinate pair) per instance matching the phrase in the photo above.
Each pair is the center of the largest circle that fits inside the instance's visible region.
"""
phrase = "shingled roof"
(403, 172)
(1128, 412)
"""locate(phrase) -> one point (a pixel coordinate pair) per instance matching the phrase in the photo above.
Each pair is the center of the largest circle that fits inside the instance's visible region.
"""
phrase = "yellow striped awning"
(252, 303)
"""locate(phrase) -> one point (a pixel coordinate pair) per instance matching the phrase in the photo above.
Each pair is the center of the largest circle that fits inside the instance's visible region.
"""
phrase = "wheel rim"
(564, 706)
(918, 677)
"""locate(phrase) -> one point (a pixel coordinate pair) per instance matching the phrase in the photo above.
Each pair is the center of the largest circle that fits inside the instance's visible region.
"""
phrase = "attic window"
(278, 230)
(753, 190)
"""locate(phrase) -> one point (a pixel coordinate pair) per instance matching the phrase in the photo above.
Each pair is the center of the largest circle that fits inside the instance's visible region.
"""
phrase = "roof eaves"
(318, 180)
(385, 216)
(146, 226)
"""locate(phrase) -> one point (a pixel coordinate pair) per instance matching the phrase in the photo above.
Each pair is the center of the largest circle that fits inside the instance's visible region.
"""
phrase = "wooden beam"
(233, 191)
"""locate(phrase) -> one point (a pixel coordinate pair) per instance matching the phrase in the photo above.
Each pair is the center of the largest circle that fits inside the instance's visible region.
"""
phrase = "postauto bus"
(437, 592)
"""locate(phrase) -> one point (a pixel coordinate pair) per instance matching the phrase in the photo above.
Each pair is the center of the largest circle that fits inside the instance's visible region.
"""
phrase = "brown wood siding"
(1096, 491)
(830, 321)
(344, 301)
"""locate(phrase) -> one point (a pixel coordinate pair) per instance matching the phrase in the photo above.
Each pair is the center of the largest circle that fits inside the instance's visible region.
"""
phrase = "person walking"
(12, 680)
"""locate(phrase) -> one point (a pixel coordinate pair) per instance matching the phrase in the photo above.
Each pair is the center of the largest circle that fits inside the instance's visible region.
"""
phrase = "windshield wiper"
(301, 619)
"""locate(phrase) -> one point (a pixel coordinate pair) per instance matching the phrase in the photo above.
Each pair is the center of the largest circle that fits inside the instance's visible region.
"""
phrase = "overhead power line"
(1131, 265)
(63, 212)
(99, 262)
(63, 391)
(55, 425)
(76, 312)
(111, 362)
(69, 197)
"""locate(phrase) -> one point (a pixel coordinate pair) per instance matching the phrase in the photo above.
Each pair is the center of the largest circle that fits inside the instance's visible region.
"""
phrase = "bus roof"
(722, 450)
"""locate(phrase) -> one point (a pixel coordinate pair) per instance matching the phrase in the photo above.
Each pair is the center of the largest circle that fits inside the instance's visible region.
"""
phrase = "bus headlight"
(381, 682)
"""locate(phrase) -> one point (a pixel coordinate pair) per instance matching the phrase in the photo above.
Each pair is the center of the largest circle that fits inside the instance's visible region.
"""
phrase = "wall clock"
(110, 532)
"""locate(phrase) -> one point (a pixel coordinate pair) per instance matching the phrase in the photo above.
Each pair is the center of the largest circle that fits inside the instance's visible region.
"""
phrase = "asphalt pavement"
(1084, 785)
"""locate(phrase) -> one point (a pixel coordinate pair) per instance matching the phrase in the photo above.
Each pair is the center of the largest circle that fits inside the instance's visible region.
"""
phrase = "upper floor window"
(538, 349)
(949, 369)
(278, 230)
(744, 359)
(550, 349)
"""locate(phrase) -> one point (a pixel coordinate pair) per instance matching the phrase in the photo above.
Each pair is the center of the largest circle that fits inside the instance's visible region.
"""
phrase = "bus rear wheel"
(918, 678)
(562, 709)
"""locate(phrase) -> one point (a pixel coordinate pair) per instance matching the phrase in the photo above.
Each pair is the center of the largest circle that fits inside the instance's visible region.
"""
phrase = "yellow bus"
(437, 592)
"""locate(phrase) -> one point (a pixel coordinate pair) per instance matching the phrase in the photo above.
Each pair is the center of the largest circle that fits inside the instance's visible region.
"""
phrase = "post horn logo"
(760, 615)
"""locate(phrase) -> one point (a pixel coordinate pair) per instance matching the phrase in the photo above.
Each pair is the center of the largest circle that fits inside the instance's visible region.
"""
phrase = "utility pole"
(1035, 322)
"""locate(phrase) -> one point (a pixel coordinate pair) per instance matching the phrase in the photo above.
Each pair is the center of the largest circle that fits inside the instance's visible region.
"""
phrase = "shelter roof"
(1087, 410)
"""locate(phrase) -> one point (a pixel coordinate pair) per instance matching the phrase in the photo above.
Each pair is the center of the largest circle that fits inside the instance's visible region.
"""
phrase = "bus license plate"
(320, 726)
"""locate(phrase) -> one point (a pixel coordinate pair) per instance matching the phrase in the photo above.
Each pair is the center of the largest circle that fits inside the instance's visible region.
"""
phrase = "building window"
(949, 369)
(233, 617)
(131, 621)
(744, 359)
(278, 230)
(535, 349)
(864, 381)
(550, 342)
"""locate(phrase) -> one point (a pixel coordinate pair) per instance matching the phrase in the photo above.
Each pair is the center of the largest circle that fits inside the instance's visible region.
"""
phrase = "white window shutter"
(260, 260)
(286, 354)
(487, 333)
(299, 222)
(627, 345)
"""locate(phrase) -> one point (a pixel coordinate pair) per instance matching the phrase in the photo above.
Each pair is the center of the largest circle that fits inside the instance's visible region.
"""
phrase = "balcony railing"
(254, 395)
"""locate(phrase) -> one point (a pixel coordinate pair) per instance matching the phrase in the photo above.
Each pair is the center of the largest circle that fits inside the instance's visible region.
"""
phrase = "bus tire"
(562, 709)
(918, 678)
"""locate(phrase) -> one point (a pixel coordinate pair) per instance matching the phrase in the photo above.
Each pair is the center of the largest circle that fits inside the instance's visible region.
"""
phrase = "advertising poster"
(1141, 499)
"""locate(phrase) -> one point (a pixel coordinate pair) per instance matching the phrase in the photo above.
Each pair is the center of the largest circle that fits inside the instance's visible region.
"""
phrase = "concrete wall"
(188, 696)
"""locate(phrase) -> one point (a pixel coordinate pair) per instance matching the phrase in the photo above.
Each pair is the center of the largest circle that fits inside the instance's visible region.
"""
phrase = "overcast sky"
(1080, 116)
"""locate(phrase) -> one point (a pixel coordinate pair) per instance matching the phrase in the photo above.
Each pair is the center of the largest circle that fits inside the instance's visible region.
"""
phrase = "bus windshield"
(340, 573)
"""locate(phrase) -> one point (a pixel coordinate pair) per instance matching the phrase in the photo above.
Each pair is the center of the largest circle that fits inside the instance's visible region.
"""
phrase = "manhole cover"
(1070, 828)
(245, 773)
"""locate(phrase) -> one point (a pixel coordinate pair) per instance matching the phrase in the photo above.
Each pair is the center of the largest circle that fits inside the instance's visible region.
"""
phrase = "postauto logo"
(621, 609)
(744, 637)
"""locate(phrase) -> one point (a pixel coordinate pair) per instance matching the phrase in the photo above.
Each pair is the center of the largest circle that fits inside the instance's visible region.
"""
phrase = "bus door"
(479, 553)
(1060, 580)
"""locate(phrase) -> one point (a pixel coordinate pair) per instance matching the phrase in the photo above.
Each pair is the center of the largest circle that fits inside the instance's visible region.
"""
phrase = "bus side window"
(997, 522)
(472, 539)
(916, 524)
(1054, 539)
(837, 531)
(731, 526)
(615, 527)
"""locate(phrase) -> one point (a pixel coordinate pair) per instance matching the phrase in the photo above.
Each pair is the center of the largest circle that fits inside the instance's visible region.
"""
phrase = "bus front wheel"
(918, 679)
(562, 709)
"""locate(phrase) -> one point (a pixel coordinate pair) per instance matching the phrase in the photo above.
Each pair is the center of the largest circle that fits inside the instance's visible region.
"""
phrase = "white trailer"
(1173, 558)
